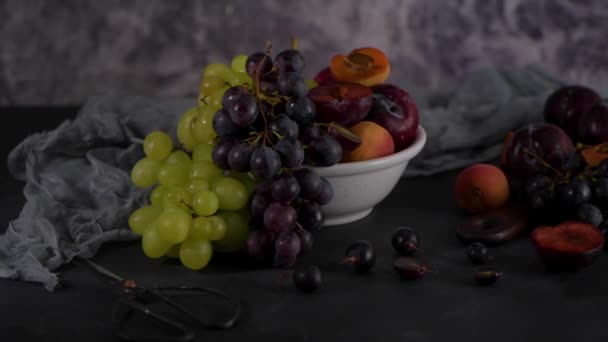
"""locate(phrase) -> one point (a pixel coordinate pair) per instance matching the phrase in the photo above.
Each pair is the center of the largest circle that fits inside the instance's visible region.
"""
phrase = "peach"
(481, 187)
(367, 66)
(376, 142)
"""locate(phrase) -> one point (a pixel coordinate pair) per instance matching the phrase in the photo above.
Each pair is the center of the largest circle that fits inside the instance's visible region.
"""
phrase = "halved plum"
(568, 246)
(344, 103)
(325, 77)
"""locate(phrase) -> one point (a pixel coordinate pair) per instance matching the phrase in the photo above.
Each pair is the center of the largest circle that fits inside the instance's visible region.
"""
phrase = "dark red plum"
(593, 125)
(344, 103)
(325, 77)
(394, 109)
(534, 145)
(566, 105)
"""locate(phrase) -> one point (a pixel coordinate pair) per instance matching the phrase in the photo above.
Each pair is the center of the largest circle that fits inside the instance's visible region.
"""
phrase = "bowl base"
(347, 218)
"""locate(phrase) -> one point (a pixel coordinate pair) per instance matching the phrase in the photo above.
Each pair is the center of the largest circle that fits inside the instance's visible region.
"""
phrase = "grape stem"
(545, 164)
(294, 42)
(258, 69)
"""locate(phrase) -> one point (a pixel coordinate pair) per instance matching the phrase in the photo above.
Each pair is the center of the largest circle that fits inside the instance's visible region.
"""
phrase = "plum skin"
(344, 103)
(565, 106)
(394, 109)
(593, 125)
(546, 140)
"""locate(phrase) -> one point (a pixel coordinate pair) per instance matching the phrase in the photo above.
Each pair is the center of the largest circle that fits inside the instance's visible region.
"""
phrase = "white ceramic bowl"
(359, 186)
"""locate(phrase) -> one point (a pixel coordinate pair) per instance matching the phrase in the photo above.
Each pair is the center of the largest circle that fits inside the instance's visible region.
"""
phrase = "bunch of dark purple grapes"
(578, 193)
(270, 133)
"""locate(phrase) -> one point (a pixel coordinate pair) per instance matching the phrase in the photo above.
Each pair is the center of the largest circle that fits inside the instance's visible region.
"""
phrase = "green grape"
(183, 129)
(184, 194)
(216, 97)
(210, 84)
(246, 179)
(173, 252)
(202, 125)
(238, 63)
(202, 152)
(232, 194)
(197, 185)
(173, 174)
(157, 195)
(195, 254)
(242, 79)
(205, 169)
(153, 245)
(236, 234)
(174, 198)
(205, 203)
(145, 172)
(220, 70)
(174, 224)
(142, 218)
(179, 157)
(158, 145)
(201, 228)
(310, 84)
(217, 228)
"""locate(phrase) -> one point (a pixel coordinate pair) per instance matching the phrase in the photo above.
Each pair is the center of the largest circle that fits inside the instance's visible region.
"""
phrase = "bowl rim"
(351, 168)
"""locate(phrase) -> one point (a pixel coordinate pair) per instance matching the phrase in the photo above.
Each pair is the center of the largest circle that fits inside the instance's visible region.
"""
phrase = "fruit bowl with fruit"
(376, 125)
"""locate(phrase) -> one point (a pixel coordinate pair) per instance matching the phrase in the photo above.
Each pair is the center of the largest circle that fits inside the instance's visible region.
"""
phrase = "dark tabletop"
(528, 303)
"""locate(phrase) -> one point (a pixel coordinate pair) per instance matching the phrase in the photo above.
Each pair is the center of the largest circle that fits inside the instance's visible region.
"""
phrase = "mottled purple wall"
(58, 52)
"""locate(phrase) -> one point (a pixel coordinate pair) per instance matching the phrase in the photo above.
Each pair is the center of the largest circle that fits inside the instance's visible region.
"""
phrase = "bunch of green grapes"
(195, 207)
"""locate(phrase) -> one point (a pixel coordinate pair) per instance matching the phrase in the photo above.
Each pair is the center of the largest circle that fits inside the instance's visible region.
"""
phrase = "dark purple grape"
(224, 126)
(279, 108)
(537, 182)
(257, 244)
(573, 193)
(258, 205)
(288, 243)
(290, 60)
(291, 85)
(590, 214)
(574, 163)
(410, 268)
(310, 183)
(262, 188)
(405, 241)
(298, 202)
(291, 152)
(600, 191)
(360, 255)
(478, 253)
(301, 110)
(254, 60)
(221, 150)
(308, 133)
(268, 83)
(239, 156)
(306, 240)
(487, 276)
(279, 217)
(325, 194)
(243, 110)
(325, 151)
(285, 188)
(265, 162)
(232, 94)
(307, 278)
(284, 126)
(310, 216)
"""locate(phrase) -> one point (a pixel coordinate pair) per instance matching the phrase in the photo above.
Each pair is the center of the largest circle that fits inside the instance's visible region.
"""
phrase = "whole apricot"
(376, 142)
(481, 187)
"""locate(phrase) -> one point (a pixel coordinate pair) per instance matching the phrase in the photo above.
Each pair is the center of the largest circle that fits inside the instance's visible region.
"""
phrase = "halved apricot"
(367, 66)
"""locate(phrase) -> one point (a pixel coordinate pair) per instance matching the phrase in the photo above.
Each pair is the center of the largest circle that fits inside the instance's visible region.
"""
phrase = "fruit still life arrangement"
(242, 177)
(552, 178)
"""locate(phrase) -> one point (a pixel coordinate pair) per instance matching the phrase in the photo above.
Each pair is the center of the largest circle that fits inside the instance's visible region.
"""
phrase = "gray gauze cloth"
(78, 189)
